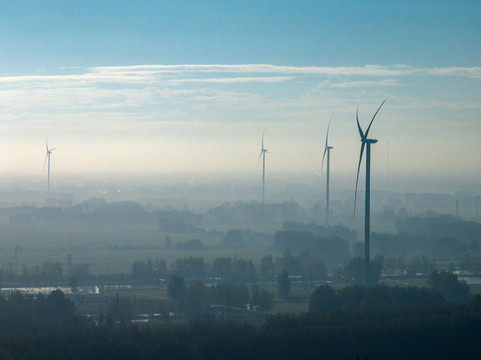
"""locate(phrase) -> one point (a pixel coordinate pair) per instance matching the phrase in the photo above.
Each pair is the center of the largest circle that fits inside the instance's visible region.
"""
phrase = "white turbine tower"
(263, 155)
(47, 159)
(327, 150)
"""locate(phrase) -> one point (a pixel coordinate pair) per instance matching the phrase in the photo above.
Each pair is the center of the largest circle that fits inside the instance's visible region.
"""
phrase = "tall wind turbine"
(365, 142)
(327, 150)
(47, 158)
(263, 155)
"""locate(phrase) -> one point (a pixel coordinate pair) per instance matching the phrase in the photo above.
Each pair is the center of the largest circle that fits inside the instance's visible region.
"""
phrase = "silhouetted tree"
(74, 283)
(324, 298)
(449, 285)
(267, 268)
(176, 287)
(354, 269)
(284, 285)
(119, 308)
(191, 267)
(168, 242)
(234, 238)
(262, 298)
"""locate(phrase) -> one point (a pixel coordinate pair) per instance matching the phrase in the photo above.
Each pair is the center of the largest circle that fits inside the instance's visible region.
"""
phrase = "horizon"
(144, 90)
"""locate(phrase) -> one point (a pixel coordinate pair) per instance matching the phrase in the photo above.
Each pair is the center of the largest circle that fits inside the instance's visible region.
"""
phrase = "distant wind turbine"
(327, 150)
(263, 155)
(367, 211)
(47, 158)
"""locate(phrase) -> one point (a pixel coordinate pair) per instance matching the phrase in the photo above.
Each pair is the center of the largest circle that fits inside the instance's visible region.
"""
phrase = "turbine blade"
(262, 146)
(359, 126)
(259, 157)
(323, 156)
(379, 108)
(46, 156)
(328, 126)
(357, 177)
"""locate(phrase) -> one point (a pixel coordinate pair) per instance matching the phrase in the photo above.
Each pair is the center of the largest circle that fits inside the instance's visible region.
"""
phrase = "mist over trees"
(460, 232)
(375, 322)
(291, 260)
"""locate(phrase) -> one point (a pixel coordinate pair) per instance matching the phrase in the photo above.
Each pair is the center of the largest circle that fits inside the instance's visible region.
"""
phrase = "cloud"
(357, 84)
(261, 91)
(159, 73)
(232, 80)
(468, 72)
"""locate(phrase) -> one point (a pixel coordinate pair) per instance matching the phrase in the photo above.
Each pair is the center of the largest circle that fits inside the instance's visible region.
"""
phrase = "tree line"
(234, 269)
(440, 330)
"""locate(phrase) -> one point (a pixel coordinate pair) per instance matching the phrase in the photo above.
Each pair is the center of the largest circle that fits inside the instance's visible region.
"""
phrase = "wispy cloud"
(232, 80)
(225, 91)
(357, 84)
(178, 73)
(468, 72)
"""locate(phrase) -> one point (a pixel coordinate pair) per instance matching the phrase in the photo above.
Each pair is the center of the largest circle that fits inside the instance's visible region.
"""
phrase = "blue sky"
(164, 86)
(54, 34)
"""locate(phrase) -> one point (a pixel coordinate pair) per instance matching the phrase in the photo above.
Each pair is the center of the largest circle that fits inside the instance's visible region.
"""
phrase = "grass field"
(107, 248)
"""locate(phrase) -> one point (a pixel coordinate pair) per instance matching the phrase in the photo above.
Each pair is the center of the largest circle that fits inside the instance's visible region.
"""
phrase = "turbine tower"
(327, 150)
(47, 158)
(263, 155)
(365, 142)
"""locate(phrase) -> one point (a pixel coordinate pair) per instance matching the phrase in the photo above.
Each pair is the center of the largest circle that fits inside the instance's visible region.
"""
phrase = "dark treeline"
(467, 232)
(20, 313)
(339, 231)
(305, 265)
(197, 298)
(407, 244)
(254, 212)
(330, 249)
(98, 211)
(325, 298)
(448, 331)
(443, 286)
(150, 271)
(49, 272)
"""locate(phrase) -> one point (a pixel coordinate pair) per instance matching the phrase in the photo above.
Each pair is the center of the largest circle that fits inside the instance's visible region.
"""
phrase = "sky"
(160, 87)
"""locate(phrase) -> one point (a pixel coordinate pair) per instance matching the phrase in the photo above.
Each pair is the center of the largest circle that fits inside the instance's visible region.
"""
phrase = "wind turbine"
(327, 150)
(47, 157)
(263, 154)
(367, 211)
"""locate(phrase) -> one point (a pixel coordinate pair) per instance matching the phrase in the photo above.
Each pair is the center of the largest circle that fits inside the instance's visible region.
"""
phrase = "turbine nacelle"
(263, 156)
(327, 148)
(364, 141)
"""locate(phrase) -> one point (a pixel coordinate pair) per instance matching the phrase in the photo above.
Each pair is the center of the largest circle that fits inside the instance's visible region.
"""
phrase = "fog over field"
(251, 179)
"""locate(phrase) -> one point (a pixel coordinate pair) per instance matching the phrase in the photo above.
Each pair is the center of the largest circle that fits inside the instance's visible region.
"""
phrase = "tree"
(262, 298)
(354, 269)
(284, 285)
(196, 299)
(222, 267)
(234, 238)
(74, 283)
(267, 267)
(191, 267)
(119, 308)
(176, 287)
(168, 242)
(449, 285)
(324, 298)
(290, 263)
(57, 306)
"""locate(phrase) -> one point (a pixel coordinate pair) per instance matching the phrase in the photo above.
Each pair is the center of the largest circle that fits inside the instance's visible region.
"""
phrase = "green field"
(108, 249)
